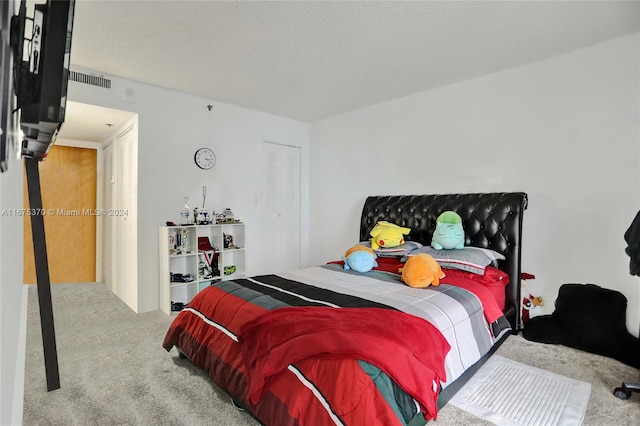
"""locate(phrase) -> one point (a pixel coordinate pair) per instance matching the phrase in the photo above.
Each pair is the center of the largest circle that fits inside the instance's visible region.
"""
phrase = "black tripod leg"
(42, 275)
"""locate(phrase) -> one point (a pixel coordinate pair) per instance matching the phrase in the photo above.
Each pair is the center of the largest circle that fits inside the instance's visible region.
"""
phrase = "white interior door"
(124, 217)
(108, 181)
(280, 247)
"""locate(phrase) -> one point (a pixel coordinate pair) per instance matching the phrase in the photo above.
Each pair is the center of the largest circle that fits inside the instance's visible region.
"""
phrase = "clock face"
(205, 158)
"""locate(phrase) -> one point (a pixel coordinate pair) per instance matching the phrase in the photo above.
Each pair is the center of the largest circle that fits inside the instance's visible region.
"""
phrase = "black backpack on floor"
(590, 318)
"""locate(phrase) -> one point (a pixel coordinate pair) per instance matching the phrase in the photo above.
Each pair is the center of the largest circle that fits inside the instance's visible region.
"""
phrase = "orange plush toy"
(421, 271)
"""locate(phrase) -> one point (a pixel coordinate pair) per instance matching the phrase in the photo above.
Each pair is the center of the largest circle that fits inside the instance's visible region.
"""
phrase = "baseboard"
(18, 386)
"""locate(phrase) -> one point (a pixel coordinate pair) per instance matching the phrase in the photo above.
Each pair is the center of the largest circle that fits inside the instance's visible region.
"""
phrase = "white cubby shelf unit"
(179, 254)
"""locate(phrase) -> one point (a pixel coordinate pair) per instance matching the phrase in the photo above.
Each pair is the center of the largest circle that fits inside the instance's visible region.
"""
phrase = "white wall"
(565, 130)
(12, 297)
(172, 126)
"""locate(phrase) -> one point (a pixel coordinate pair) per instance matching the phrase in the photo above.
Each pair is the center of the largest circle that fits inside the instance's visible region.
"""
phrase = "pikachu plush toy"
(387, 235)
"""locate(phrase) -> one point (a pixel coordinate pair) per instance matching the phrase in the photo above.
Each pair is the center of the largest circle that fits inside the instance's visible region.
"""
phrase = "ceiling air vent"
(92, 80)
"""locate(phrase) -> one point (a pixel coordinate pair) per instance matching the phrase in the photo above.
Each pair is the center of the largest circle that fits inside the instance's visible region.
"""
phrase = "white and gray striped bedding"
(456, 312)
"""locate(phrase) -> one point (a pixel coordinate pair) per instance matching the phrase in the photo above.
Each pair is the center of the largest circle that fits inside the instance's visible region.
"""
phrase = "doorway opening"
(79, 230)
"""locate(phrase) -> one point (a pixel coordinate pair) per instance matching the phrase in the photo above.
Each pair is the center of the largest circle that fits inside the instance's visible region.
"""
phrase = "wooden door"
(68, 179)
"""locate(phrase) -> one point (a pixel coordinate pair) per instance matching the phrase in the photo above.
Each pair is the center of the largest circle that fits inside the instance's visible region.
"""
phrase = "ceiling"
(308, 60)
(91, 123)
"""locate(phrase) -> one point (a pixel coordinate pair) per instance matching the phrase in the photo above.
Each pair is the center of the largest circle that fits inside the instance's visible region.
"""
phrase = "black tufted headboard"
(491, 220)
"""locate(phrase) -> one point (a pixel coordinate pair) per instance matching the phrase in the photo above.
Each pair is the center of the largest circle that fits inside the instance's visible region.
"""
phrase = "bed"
(328, 346)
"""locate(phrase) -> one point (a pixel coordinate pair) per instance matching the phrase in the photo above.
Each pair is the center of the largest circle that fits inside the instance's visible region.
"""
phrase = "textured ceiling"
(309, 60)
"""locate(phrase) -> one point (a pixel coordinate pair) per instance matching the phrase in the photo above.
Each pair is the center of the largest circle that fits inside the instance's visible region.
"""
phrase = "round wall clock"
(205, 158)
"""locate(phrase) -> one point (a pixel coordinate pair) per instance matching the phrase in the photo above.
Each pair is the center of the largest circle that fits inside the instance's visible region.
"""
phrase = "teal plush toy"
(449, 233)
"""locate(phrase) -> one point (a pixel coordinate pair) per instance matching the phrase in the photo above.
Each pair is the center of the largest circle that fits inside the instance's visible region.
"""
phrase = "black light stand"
(632, 237)
(42, 275)
(625, 389)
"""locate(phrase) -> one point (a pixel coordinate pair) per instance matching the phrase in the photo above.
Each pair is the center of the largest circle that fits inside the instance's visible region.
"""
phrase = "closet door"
(124, 217)
(280, 246)
(108, 181)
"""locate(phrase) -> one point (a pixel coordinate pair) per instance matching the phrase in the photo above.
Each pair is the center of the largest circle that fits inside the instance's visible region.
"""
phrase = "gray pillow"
(398, 251)
(470, 259)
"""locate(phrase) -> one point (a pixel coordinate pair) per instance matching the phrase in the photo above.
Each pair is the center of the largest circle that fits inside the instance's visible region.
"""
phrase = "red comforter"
(413, 358)
(321, 389)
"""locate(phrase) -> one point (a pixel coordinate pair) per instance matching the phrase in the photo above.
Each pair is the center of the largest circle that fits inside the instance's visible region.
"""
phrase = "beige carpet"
(113, 371)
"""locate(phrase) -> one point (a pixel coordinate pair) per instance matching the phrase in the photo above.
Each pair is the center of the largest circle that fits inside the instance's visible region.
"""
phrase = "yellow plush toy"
(421, 271)
(387, 235)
